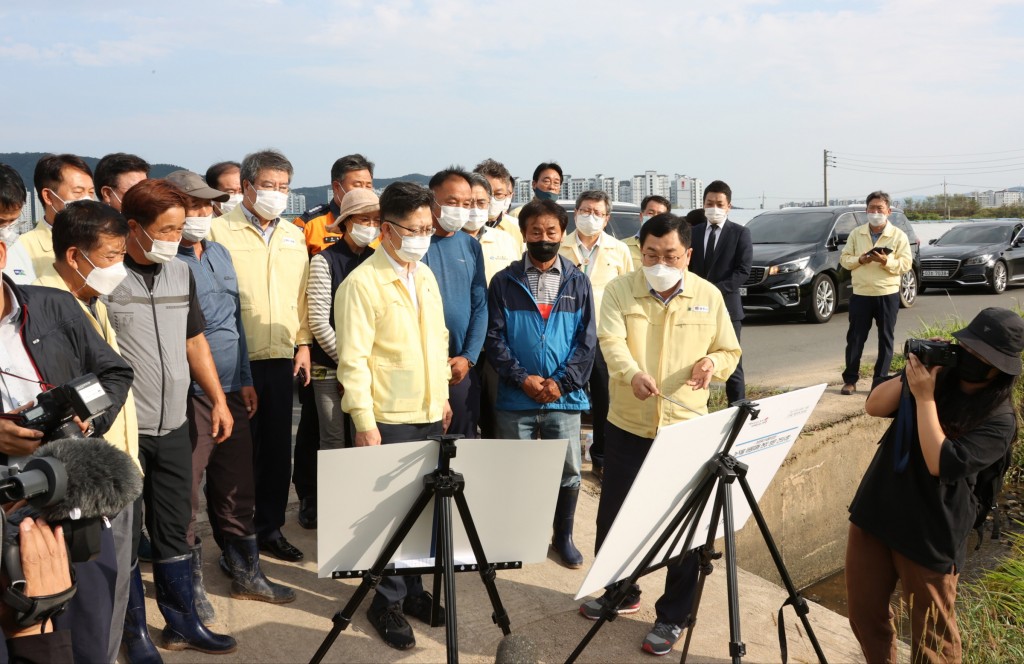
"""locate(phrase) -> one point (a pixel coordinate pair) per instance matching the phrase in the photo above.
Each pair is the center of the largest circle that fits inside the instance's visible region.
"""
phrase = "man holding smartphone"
(877, 254)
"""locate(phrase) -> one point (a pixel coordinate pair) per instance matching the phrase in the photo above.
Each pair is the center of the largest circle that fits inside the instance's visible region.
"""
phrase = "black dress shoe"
(307, 513)
(281, 549)
(392, 626)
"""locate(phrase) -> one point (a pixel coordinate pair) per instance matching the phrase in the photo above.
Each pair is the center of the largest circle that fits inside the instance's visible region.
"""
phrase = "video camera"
(933, 353)
(54, 410)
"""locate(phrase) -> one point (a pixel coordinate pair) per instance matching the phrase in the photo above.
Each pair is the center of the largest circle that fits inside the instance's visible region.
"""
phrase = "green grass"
(718, 401)
(990, 611)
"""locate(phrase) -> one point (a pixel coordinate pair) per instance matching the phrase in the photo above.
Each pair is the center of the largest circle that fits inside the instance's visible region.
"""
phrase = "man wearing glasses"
(393, 365)
(664, 331)
(602, 258)
(272, 264)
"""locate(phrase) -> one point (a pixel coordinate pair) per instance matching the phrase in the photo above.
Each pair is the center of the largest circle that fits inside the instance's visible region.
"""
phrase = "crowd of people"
(424, 310)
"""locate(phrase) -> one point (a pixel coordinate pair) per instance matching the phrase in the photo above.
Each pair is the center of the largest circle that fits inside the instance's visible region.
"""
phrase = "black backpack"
(987, 487)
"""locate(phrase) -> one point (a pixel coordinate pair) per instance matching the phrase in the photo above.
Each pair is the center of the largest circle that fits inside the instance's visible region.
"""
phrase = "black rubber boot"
(203, 607)
(174, 597)
(137, 647)
(242, 557)
(565, 512)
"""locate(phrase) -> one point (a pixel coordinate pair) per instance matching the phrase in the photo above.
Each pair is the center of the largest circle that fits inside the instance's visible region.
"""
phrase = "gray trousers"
(328, 408)
(121, 529)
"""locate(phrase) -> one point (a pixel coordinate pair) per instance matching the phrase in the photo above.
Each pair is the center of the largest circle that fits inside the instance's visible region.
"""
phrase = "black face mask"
(972, 369)
(542, 252)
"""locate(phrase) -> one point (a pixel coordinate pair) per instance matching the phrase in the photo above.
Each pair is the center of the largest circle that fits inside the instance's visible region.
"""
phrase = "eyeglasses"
(426, 230)
(599, 215)
(654, 259)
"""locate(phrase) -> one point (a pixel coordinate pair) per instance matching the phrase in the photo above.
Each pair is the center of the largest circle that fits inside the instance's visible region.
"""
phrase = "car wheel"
(823, 300)
(998, 283)
(908, 289)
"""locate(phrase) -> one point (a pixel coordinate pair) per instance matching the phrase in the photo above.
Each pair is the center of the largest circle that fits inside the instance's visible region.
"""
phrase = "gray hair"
(477, 180)
(879, 195)
(595, 195)
(263, 160)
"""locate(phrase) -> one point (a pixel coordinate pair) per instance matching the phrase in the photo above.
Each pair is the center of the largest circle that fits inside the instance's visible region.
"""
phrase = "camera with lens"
(932, 353)
(54, 410)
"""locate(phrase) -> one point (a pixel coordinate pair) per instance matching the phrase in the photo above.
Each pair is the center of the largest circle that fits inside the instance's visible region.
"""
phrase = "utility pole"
(945, 197)
(762, 200)
(828, 161)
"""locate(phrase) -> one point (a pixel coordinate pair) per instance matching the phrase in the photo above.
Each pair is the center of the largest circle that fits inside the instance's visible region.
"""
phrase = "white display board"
(363, 493)
(675, 466)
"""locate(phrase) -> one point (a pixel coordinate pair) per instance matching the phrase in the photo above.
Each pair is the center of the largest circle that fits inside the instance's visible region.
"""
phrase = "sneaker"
(418, 606)
(392, 626)
(593, 609)
(661, 639)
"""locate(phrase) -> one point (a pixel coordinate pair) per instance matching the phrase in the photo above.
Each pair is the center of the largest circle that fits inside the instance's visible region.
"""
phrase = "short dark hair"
(881, 195)
(263, 160)
(539, 207)
(595, 195)
(82, 223)
(349, 163)
(214, 172)
(718, 187)
(50, 171)
(479, 180)
(150, 198)
(493, 169)
(662, 224)
(451, 172)
(696, 216)
(400, 199)
(547, 166)
(656, 199)
(12, 188)
(113, 165)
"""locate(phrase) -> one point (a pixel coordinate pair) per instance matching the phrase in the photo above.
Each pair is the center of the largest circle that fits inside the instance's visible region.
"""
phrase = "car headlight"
(978, 260)
(792, 266)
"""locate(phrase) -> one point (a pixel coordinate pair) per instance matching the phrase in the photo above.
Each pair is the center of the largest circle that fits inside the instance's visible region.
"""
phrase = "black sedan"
(987, 254)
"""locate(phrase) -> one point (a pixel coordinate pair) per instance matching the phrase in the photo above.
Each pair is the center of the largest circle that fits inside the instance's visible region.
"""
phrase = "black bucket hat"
(997, 335)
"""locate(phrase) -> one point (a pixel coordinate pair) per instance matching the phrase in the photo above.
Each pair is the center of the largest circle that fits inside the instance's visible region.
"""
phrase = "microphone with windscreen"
(516, 649)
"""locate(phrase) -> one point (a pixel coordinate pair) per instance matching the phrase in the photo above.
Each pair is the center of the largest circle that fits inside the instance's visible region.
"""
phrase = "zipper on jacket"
(160, 354)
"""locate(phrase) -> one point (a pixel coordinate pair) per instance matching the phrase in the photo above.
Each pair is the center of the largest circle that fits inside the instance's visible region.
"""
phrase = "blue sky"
(749, 91)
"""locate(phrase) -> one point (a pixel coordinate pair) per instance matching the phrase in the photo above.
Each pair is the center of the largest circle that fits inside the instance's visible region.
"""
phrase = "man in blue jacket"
(541, 340)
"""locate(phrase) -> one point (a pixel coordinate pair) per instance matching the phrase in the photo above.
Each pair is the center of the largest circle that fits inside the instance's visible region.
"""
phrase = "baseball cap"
(193, 185)
(997, 335)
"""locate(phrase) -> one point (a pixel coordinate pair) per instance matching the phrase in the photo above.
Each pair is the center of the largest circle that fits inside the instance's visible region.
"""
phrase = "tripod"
(446, 485)
(719, 472)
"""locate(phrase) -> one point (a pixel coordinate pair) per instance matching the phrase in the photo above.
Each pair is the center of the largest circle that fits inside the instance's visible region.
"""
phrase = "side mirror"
(933, 240)
(842, 238)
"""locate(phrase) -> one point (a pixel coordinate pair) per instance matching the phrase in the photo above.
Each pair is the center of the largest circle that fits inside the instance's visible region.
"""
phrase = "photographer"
(44, 562)
(915, 506)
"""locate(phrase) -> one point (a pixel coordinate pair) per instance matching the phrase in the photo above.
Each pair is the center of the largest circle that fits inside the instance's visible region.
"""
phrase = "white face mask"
(161, 252)
(196, 228)
(876, 219)
(477, 218)
(661, 277)
(453, 218)
(65, 203)
(589, 225)
(269, 204)
(363, 235)
(8, 234)
(715, 215)
(231, 203)
(498, 206)
(413, 247)
(104, 280)
(645, 218)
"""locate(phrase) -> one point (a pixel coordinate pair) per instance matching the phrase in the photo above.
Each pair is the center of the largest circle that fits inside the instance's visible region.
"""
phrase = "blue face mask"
(545, 195)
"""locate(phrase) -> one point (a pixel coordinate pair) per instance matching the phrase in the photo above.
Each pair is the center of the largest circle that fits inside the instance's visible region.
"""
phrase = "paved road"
(793, 353)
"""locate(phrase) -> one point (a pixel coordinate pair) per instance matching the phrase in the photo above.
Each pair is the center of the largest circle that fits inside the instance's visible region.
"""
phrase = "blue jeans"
(545, 425)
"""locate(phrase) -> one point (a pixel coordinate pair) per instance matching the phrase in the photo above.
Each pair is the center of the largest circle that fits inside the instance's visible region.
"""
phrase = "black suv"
(796, 261)
(978, 253)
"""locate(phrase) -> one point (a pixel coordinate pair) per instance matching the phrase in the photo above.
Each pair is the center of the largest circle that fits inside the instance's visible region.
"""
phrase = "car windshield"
(790, 227)
(968, 234)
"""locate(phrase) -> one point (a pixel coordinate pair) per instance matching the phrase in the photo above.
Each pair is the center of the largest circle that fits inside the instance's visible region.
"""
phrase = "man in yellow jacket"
(602, 258)
(393, 365)
(272, 265)
(664, 331)
(877, 254)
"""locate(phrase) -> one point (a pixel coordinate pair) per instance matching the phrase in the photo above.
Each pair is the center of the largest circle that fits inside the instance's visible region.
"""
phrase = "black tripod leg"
(707, 554)
(487, 573)
(736, 647)
(798, 602)
(444, 538)
(372, 577)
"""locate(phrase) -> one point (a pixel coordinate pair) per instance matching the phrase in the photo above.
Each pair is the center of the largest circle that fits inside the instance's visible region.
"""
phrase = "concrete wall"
(806, 504)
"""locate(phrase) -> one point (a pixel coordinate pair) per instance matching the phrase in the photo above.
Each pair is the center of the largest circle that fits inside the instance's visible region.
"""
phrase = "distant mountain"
(25, 164)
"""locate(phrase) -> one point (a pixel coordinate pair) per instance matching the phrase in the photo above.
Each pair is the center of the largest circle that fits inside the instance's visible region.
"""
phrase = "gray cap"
(194, 185)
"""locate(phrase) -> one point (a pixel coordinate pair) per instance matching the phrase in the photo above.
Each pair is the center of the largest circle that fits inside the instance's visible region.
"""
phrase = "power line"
(930, 163)
(1016, 168)
(931, 156)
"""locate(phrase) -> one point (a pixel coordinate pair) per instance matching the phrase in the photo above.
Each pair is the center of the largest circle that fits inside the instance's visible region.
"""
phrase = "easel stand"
(717, 477)
(445, 485)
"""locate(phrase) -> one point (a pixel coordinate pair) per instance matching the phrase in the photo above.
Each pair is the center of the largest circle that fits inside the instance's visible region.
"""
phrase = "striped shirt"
(544, 285)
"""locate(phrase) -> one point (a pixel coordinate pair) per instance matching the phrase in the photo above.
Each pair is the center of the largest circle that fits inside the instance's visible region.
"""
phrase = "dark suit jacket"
(734, 254)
